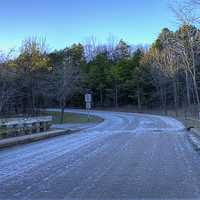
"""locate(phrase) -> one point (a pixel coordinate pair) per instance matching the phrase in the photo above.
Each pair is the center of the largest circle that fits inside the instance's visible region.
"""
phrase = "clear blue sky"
(64, 22)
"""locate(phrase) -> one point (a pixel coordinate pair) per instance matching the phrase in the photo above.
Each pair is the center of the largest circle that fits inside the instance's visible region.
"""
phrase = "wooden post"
(44, 126)
(37, 127)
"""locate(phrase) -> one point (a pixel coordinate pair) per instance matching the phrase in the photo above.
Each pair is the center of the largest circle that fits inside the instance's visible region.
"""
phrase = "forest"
(165, 75)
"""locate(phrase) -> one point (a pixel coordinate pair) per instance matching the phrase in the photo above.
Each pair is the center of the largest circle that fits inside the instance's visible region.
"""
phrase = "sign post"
(88, 100)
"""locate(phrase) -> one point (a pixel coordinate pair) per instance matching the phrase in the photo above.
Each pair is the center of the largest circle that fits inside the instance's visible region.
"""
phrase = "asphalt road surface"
(128, 156)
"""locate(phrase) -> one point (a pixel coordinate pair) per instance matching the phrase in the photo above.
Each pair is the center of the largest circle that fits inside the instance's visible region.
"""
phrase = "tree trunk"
(175, 97)
(163, 100)
(187, 89)
(33, 104)
(196, 92)
(197, 96)
(138, 98)
(32, 96)
(116, 96)
(194, 70)
(62, 104)
(101, 96)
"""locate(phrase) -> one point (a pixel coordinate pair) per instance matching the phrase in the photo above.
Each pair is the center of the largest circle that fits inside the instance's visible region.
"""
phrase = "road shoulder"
(194, 138)
(8, 142)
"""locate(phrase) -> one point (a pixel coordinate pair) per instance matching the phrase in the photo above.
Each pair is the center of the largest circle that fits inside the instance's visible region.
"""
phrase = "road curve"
(128, 156)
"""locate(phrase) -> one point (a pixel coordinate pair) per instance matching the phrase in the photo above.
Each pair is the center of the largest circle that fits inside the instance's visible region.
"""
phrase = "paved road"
(128, 156)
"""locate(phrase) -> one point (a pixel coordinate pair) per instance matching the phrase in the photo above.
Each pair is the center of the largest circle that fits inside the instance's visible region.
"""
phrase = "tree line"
(166, 74)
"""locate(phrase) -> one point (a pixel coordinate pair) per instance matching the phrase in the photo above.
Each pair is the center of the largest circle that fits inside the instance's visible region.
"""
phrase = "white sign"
(88, 97)
(88, 105)
(88, 100)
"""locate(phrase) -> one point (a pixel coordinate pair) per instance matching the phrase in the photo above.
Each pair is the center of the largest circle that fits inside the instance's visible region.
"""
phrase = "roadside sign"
(88, 100)
(88, 97)
(88, 105)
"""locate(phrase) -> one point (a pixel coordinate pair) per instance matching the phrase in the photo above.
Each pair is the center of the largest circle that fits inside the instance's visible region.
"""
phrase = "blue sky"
(63, 22)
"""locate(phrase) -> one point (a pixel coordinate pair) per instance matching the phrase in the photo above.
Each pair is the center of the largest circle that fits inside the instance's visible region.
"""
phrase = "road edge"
(9, 142)
(194, 138)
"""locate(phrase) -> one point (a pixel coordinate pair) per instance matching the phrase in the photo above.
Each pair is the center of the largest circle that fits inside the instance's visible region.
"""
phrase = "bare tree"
(112, 42)
(90, 47)
(158, 67)
(64, 81)
(187, 46)
(185, 12)
(171, 69)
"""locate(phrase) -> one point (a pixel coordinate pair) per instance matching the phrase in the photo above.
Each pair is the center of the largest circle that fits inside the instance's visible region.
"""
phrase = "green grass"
(73, 118)
(2, 133)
